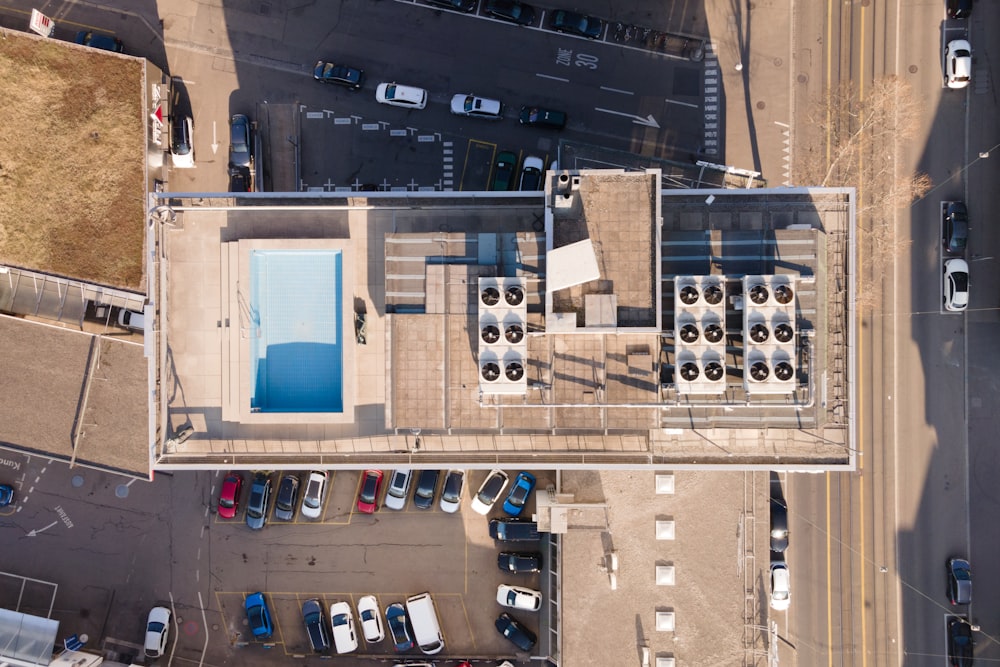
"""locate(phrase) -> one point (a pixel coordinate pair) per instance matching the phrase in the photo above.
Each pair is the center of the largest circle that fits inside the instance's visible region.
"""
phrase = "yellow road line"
(861, 365)
(829, 565)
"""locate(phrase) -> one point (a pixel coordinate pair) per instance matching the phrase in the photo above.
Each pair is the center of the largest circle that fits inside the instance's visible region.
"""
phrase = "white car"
(531, 173)
(451, 492)
(780, 592)
(489, 491)
(956, 285)
(342, 624)
(957, 63)
(157, 631)
(312, 499)
(399, 486)
(371, 622)
(399, 95)
(476, 107)
(182, 142)
(517, 597)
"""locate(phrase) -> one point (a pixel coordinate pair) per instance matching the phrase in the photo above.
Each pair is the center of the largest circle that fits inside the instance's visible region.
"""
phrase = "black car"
(423, 494)
(100, 41)
(239, 179)
(542, 117)
(959, 581)
(956, 228)
(511, 10)
(577, 24)
(399, 627)
(518, 562)
(960, 642)
(517, 634)
(514, 530)
(341, 75)
(779, 525)
(959, 9)
(460, 5)
(260, 494)
(315, 620)
(284, 502)
(504, 170)
(240, 142)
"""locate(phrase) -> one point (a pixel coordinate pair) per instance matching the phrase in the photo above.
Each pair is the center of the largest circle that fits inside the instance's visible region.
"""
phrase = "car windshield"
(491, 489)
(368, 490)
(518, 495)
(452, 486)
(226, 502)
(155, 626)
(398, 484)
(961, 279)
(312, 494)
(390, 91)
(256, 615)
(340, 619)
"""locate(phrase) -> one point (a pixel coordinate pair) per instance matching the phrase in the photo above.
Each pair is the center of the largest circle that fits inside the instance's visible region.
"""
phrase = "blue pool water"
(296, 342)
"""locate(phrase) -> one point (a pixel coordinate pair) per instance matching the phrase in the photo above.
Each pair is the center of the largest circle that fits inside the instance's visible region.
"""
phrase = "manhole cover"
(761, 105)
(803, 78)
(778, 62)
(121, 490)
(77, 481)
(913, 69)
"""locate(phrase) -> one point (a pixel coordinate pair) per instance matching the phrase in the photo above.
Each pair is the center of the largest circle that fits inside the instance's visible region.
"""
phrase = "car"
(960, 644)
(6, 495)
(511, 10)
(341, 75)
(956, 228)
(959, 9)
(518, 496)
(399, 95)
(182, 142)
(503, 171)
(132, 319)
(399, 627)
(517, 634)
(451, 491)
(342, 623)
(240, 141)
(239, 179)
(260, 495)
(959, 581)
(542, 117)
(957, 64)
(371, 621)
(259, 616)
(157, 631)
(517, 597)
(513, 530)
(520, 562)
(577, 24)
(99, 40)
(368, 492)
(423, 494)
(399, 486)
(531, 174)
(476, 107)
(315, 620)
(489, 491)
(780, 593)
(460, 5)
(779, 526)
(284, 502)
(956, 285)
(229, 496)
(312, 499)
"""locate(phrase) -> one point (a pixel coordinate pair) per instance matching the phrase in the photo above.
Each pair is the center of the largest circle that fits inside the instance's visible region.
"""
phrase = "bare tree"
(856, 144)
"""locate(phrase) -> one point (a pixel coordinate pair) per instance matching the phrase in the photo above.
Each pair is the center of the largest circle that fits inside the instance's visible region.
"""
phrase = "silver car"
(399, 486)
(312, 499)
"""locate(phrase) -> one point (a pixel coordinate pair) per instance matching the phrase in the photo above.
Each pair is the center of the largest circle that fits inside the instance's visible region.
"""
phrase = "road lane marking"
(554, 78)
(617, 90)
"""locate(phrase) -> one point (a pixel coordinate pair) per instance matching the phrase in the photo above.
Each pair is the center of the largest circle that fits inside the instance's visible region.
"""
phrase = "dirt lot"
(72, 150)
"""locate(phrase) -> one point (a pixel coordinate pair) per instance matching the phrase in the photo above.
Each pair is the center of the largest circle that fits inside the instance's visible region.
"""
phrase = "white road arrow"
(34, 533)
(648, 121)
(215, 139)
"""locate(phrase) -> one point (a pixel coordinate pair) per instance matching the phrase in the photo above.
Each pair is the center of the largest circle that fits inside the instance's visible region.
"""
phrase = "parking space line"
(549, 76)
(618, 90)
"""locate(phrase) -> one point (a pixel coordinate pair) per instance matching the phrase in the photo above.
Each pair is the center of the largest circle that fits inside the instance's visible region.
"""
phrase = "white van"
(132, 319)
(424, 619)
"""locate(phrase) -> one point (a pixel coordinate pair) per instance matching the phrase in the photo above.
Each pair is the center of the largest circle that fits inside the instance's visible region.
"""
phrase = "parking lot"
(345, 555)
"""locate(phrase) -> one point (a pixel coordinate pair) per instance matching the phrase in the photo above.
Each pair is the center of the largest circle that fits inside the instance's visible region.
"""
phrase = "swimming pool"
(296, 341)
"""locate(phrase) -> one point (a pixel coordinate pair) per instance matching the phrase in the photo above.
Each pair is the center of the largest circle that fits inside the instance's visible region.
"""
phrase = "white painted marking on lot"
(34, 533)
(648, 121)
(206, 511)
(371, 126)
(316, 115)
(448, 158)
(204, 625)
(712, 90)
(554, 78)
(398, 188)
(397, 133)
(425, 139)
(343, 121)
(617, 90)
(426, 188)
(683, 104)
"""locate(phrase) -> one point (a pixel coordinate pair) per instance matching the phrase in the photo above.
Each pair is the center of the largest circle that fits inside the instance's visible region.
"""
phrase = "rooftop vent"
(514, 333)
(514, 371)
(713, 294)
(758, 294)
(759, 333)
(783, 294)
(689, 294)
(490, 371)
(759, 371)
(783, 371)
(689, 371)
(490, 334)
(714, 333)
(490, 296)
(714, 371)
(514, 295)
(689, 333)
(783, 332)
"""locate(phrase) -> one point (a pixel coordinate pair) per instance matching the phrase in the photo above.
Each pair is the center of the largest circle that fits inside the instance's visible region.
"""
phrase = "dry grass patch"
(72, 151)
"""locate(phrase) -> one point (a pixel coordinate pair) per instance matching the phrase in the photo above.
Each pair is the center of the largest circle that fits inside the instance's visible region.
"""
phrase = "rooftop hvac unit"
(688, 295)
(514, 332)
(713, 293)
(490, 295)
(689, 333)
(513, 370)
(758, 294)
(759, 333)
(783, 294)
(714, 333)
(759, 371)
(490, 371)
(784, 371)
(689, 371)
(513, 295)
(714, 371)
(784, 332)
(490, 334)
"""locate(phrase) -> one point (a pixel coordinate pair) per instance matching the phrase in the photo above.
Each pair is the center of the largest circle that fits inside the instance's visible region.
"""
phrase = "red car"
(229, 497)
(368, 493)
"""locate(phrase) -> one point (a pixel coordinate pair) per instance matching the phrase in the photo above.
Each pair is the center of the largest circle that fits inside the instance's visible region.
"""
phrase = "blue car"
(399, 626)
(6, 495)
(519, 494)
(100, 41)
(259, 616)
